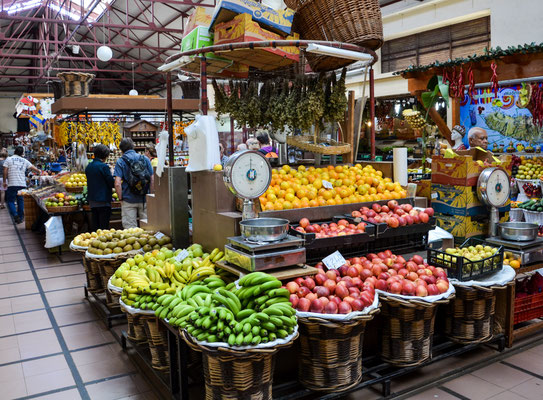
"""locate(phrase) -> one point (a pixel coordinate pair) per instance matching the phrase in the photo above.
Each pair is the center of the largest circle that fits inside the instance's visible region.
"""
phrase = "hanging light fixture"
(104, 53)
(133, 92)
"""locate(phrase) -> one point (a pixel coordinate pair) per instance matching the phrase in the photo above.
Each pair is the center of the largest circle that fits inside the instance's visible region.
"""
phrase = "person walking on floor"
(3, 156)
(133, 180)
(14, 180)
(99, 185)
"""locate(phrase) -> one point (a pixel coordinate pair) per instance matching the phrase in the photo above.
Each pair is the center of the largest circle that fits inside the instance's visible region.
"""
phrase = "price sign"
(334, 260)
(327, 185)
(159, 235)
(182, 255)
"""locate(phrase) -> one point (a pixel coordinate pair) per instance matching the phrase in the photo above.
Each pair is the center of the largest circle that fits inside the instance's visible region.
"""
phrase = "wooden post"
(434, 116)
(455, 109)
(349, 132)
(203, 86)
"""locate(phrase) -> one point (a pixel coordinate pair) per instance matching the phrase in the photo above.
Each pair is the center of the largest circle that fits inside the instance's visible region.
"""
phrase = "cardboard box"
(278, 21)
(456, 200)
(462, 170)
(462, 227)
(200, 17)
(216, 65)
(243, 29)
(424, 188)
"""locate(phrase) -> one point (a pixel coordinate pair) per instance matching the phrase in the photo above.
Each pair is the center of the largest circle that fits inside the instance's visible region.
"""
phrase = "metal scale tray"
(262, 256)
(529, 252)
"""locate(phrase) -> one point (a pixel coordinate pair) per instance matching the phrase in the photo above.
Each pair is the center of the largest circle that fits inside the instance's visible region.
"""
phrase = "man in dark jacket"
(99, 185)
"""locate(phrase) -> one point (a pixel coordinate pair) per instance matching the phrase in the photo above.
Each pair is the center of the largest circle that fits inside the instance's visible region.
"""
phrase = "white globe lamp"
(104, 53)
(133, 92)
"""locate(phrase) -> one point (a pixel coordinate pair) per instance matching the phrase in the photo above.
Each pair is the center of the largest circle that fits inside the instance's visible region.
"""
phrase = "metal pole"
(170, 117)
(203, 86)
(372, 114)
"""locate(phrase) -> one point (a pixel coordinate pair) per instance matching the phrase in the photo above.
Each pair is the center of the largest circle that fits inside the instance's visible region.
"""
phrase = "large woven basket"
(94, 282)
(330, 357)
(307, 143)
(63, 209)
(136, 327)
(408, 329)
(349, 21)
(107, 268)
(157, 338)
(236, 374)
(470, 315)
(75, 84)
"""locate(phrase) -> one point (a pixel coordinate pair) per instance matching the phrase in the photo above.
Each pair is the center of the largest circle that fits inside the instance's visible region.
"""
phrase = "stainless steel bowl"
(264, 229)
(518, 231)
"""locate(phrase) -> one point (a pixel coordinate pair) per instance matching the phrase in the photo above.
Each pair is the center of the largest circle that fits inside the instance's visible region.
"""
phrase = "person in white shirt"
(14, 180)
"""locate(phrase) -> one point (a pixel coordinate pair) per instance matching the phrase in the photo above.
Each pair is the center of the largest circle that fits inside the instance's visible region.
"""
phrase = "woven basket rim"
(332, 323)
(415, 302)
(244, 353)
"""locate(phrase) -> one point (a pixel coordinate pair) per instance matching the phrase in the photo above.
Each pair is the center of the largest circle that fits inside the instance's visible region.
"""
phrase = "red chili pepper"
(471, 88)
(495, 86)
(445, 76)
(452, 86)
(460, 87)
(536, 105)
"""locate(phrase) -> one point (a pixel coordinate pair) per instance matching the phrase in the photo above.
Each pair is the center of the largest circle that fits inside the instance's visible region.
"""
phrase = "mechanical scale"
(493, 190)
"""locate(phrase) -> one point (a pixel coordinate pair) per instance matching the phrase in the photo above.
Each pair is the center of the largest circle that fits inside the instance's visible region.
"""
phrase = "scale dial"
(247, 174)
(493, 187)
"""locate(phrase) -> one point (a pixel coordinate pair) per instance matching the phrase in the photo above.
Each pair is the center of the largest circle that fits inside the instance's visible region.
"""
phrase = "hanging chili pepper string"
(452, 86)
(445, 76)
(471, 83)
(494, 80)
(460, 84)
(536, 105)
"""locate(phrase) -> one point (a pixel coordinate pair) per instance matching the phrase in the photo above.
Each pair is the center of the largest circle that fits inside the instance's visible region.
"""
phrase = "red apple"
(367, 298)
(376, 207)
(424, 218)
(331, 308)
(402, 221)
(357, 282)
(376, 270)
(321, 291)
(303, 304)
(409, 219)
(294, 300)
(406, 207)
(381, 285)
(354, 291)
(341, 291)
(292, 287)
(392, 204)
(412, 276)
(309, 283)
(399, 212)
(317, 227)
(385, 209)
(432, 290)
(311, 296)
(408, 288)
(417, 259)
(330, 285)
(344, 308)
(421, 291)
(304, 222)
(300, 229)
(299, 281)
(403, 272)
(320, 278)
(316, 306)
(325, 300)
(366, 273)
(400, 259)
(310, 229)
(303, 291)
(393, 222)
(352, 272)
(416, 219)
(396, 287)
(335, 299)
(331, 274)
(357, 305)
(429, 211)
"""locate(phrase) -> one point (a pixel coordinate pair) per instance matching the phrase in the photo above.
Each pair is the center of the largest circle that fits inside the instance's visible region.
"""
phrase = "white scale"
(248, 175)
(493, 189)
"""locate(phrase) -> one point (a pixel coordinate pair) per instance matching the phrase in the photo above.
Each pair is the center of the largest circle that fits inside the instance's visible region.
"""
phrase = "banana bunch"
(258, 312)
(132, 296)
(414, 118)
(89, 132)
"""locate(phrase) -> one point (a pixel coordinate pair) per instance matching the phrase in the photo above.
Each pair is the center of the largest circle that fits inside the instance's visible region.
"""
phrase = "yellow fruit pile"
(511, 259)
(76, 180)
(314, 187)
(88, 132)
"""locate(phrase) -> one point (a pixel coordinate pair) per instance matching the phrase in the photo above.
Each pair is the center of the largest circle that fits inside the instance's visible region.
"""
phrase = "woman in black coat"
(99, 185)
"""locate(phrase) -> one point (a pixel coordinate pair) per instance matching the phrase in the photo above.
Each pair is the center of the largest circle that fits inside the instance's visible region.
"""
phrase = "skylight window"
(74, 10)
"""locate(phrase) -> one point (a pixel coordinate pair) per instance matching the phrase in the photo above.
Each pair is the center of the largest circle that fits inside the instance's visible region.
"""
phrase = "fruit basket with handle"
(230, 373)
(461, 268)
(470, 315)
(331, 352)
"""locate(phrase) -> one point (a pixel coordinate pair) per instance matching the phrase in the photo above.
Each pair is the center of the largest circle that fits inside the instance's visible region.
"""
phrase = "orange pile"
(291, 188)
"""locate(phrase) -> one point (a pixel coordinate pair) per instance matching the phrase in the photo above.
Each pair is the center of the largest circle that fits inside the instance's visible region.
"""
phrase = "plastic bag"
(54, 232)
(161, 151)
(203, 140)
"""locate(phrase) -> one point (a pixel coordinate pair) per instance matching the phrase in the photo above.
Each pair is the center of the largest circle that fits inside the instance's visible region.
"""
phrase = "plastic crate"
(317, 248)
(528, 308)
(407, 242)
(463, 269)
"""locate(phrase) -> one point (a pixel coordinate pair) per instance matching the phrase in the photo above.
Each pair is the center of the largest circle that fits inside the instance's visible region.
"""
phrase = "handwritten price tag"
(182, 255)
(334, 260)
(159, 235)
(327, 185)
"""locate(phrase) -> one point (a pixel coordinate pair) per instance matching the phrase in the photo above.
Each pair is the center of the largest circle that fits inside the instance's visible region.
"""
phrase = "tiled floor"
(52, 345)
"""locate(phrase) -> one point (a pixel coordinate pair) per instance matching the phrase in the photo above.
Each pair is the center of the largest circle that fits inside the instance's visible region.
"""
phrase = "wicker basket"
(94, 283)
(330, 358)
(107, 268)
(237, 374)
(408, 329)
(307, 143)
(63, 209)
(77, 189)
(349, 21)
(136, 327)
(157, 338)
(75, 84)
(470, 315)
(32, 211)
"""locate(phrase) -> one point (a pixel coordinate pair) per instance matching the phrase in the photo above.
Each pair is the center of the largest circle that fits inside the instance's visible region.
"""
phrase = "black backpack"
(138, 177)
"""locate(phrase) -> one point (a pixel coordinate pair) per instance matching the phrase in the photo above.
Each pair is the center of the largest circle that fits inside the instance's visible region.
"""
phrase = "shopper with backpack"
(133, 180)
